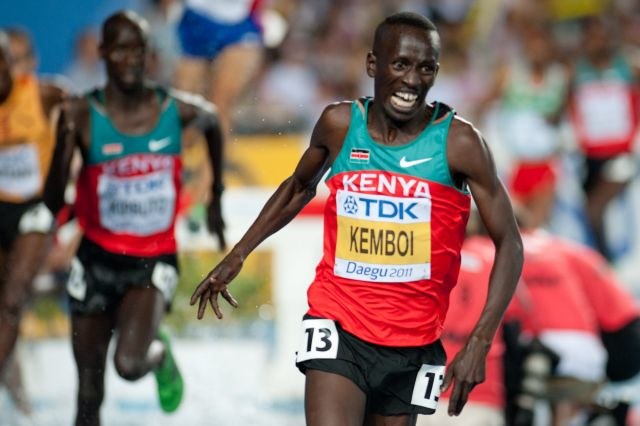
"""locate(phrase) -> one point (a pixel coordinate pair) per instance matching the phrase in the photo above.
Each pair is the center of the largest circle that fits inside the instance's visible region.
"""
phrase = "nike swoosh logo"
(404, 163)
(157, 145)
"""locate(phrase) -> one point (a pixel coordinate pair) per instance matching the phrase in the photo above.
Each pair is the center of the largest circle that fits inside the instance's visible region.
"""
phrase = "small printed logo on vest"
(112, 148)
(359, 155)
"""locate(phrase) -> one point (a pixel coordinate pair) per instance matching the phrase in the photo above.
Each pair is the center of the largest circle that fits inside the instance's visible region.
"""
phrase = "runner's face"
(6, 80)
(125, 56)
(404, 70)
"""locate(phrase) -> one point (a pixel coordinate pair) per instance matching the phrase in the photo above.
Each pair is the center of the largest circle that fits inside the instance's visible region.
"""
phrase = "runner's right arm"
(285, 203)
(68, 134)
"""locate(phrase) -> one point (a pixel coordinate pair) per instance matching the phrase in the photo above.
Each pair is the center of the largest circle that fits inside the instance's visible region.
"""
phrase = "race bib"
(605, 112)
(37, 219)
(319, 340)
(529, 135)
(76, 283)
(138, 205)
(382, 238)
(426, 390)
(165, 279)
(20, 170)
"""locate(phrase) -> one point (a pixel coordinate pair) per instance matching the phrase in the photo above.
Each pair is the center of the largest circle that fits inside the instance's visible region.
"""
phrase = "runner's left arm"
(470, 160)
(197, 112)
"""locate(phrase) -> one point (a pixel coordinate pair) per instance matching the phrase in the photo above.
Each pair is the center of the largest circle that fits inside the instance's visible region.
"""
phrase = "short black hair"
(402, 18)
(110, 27)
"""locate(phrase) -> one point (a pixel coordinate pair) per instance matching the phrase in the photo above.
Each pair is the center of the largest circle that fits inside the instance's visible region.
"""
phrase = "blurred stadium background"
(240, 370)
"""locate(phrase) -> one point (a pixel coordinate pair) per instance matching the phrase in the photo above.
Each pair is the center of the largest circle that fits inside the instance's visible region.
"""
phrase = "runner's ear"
(371, 64)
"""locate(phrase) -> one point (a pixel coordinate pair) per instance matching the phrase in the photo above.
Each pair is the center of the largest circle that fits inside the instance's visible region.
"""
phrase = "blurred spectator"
(605, 117)
(163, 17)
(531, 90)
(22, 53)
(224, 38)
(290, 87)
(86, 70)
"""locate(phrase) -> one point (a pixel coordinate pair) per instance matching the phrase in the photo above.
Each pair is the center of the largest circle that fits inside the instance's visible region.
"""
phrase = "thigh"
(22, 263)
(331, 399)
(191, 74)
(234, 68)
(139, 315)
(90, 339)
(400, 420)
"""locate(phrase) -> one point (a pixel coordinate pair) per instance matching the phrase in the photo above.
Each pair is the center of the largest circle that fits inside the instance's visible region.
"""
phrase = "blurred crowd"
(551, 84)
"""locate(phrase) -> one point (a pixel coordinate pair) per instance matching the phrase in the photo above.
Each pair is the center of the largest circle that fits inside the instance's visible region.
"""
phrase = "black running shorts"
(396, 380)
(98, 279)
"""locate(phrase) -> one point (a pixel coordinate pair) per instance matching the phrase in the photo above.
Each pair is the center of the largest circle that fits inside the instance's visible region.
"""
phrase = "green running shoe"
(168, 377)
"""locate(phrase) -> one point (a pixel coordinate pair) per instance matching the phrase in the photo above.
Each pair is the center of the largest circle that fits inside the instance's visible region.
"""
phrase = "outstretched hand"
(215, 222)
(465, 371)
(216, 283)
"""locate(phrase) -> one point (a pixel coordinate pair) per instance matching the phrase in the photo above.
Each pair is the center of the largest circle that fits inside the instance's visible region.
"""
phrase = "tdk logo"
(350, 205)
(386, 209)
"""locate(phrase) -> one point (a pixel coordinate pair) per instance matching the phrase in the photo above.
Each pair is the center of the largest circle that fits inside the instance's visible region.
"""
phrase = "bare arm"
(285, 203)
(470, 159)
(73, 113)
(51, 96)
(197, 112)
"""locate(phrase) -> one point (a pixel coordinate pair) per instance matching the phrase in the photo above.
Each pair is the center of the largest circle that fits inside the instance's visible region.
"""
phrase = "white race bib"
(37, 219)
(76, 283)
(426, 390)
(605, 111)
(20, 170)
(138, 205)
(165, 279)
(319, 340)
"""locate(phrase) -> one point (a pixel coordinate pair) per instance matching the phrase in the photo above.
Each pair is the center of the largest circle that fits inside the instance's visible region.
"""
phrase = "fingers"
(459, 397)
(466, 389)
(203, 304)
(447, 379)
(454, 400)
(199, 290)
(229, 298)
(213, 300)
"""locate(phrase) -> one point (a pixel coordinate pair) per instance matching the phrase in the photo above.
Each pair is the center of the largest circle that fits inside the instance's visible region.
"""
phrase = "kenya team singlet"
(128, 189)
(26, 142)
(394, 224)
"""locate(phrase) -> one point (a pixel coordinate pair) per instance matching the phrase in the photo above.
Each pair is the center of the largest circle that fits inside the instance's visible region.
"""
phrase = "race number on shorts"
(165, 278)
(76, 283)
(426, 390)
(319, 340)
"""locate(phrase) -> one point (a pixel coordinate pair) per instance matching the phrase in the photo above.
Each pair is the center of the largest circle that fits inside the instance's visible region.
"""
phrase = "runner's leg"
(90, 339)
(331, 399)
(139, 316)
(22, 264)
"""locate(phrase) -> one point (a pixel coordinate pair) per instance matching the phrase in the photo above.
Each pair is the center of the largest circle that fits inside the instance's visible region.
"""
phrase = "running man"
(401, 176)
(26, 146)
(605, 113)
(125, 272)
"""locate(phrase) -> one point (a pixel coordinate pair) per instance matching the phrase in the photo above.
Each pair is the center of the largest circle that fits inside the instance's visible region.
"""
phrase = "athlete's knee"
(130, 367)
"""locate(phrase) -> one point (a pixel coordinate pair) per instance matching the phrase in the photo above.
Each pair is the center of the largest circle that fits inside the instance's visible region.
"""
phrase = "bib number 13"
(319, 340)
(426, 390)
